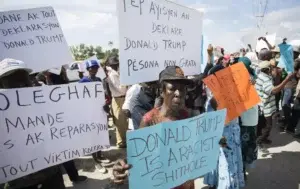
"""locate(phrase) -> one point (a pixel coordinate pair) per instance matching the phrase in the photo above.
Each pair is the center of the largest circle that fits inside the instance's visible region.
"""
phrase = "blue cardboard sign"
(286, 57)
(168, 154)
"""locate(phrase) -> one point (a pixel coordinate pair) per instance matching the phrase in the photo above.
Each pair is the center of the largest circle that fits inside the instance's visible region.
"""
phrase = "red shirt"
(153, 117)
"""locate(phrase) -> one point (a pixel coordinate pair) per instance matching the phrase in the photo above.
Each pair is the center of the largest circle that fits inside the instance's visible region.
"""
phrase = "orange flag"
(233, 90)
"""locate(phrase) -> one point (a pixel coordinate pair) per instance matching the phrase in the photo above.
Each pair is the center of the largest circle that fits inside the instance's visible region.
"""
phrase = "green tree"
(99, 53)
(82, 52)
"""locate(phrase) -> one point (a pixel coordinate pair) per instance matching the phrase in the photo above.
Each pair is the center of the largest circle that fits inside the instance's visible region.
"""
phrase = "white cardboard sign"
(155, 34)
(35, 37)
(261, 44)
(40, 123)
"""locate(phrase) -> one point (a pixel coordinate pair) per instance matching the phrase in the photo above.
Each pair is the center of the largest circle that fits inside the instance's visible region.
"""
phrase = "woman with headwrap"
(248, 124)
(229, 171)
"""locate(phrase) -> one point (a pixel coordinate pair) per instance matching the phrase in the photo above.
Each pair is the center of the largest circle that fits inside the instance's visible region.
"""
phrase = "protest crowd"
(174, 96)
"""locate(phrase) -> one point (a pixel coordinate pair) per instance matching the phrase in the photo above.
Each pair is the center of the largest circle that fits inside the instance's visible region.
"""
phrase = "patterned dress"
(229, 172)
(152, 118)
(248, 123)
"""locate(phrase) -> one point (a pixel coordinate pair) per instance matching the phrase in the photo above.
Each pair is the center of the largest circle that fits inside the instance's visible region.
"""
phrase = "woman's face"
(18, 79)
(174, 95)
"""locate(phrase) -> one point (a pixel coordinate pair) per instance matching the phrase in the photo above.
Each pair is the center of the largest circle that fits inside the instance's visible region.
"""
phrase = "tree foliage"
(82, 51)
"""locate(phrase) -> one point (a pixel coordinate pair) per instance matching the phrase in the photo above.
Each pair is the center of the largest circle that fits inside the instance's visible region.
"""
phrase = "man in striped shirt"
(266, 91)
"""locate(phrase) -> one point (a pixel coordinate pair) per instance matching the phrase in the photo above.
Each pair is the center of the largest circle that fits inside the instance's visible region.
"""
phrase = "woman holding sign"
(229, 172)
(248, 124)
(15, 74)
(173, 87)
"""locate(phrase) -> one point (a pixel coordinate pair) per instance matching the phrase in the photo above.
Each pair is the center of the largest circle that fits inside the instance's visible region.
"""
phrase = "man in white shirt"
(118, 93)
(131, 93)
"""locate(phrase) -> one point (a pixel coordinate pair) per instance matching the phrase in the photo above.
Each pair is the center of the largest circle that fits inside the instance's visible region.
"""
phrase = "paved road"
(280, 169)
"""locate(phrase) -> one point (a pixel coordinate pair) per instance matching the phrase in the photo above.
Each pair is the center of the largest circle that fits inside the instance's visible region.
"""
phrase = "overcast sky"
(227, 23)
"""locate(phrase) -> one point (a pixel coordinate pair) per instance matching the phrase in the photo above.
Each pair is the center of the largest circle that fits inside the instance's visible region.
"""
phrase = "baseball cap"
(264, 64)
(173, 73)
(91, 63)
(9, 65)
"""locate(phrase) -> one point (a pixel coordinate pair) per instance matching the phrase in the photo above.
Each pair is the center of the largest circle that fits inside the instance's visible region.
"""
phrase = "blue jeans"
(287, 96)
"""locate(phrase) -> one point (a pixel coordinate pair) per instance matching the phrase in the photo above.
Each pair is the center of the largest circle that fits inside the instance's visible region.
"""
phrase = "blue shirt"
(86, 79)
(139, 106)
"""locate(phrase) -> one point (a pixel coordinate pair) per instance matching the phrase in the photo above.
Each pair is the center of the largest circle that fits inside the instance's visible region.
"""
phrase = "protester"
(131, 93)
(210, 60)
(118, 93)
(15, 74)
(70, 167)
(288, 93)
(266, 91)
(277, 79)
(92, 66)
(295, 111)
(55, 79)
(254, 61)
(141, 102)
(196, 97)
(229, 172)
(173, 85)
(248, 124)
(208, 92)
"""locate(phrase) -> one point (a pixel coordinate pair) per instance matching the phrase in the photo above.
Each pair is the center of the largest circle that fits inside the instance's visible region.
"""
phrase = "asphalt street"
(279, 169)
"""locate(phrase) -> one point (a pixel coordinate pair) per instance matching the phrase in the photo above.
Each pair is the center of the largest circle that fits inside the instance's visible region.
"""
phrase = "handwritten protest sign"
(286, 60)
(155, 34)
(170, 153)
(35, 37)
(261, 44)
(40, 128)
(232, 89)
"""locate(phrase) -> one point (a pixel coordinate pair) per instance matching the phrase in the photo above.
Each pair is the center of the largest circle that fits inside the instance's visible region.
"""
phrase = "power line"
(262, 6)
